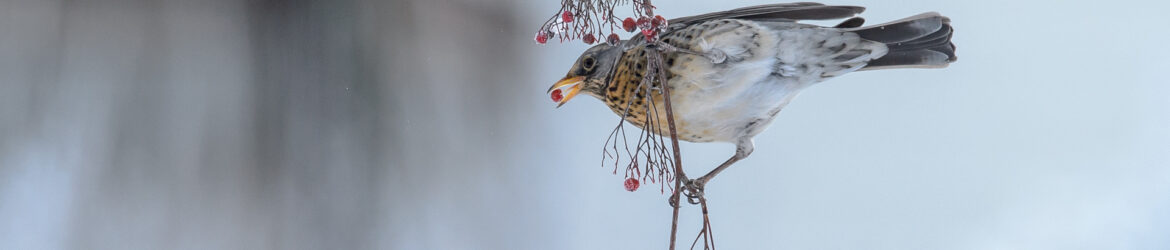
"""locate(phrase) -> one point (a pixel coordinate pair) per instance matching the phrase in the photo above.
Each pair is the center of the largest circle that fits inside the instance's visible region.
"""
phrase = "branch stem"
(679, 175)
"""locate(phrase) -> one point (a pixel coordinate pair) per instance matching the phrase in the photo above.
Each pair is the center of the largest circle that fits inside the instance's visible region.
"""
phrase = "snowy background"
(363, 124)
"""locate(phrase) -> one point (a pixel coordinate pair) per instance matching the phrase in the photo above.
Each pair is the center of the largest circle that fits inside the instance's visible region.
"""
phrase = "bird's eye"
(587, 64)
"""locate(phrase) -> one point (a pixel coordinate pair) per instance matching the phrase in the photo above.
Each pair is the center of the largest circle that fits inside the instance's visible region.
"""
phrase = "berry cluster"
(647, 159)
(588, 19)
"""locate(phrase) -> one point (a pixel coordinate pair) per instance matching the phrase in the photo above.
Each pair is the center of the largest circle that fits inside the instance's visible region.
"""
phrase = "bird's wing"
(721, 51)
(813, 54)
(775, 12)
(742, 51)
(753, 41)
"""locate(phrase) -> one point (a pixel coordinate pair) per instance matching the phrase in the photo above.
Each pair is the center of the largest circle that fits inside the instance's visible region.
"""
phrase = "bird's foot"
(693, 189)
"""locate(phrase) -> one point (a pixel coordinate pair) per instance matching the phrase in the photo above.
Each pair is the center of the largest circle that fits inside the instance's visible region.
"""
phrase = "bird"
(729, 73)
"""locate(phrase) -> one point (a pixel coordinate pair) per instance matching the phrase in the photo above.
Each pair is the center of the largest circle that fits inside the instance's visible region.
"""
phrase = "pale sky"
(365, 124)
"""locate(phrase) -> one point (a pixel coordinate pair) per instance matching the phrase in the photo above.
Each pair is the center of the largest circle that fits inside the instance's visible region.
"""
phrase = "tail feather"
(920, 41)
(910, 59)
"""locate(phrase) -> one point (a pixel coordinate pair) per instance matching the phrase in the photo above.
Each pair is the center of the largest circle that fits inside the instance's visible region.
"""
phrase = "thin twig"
(679, 175)
(710, 233)
(678, 171)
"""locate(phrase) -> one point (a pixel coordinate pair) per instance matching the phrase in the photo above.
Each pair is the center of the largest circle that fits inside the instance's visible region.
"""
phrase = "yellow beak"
(573, 84)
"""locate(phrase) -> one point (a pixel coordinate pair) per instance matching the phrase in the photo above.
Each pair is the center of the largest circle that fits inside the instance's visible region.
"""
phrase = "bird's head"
(589, 74)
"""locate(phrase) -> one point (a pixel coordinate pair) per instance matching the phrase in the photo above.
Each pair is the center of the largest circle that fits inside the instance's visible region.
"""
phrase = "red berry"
(659, 22)
(556, 95)
(644, 23)
(631, 184)
(650, 34)
(613, 39)
(567, 17)
(542, 37)
(588, 39)
(629, 24)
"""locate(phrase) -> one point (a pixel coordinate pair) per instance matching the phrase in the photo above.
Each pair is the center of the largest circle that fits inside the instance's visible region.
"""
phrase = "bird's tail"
(920, 41)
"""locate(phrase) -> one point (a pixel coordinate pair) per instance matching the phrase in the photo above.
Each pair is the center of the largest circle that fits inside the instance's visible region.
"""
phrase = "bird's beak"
(573, 85)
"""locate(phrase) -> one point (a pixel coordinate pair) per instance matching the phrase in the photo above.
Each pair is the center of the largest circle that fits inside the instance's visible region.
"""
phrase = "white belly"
(728, 117)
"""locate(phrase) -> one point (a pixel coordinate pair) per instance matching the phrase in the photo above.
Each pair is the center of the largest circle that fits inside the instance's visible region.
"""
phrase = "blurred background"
(364, 124)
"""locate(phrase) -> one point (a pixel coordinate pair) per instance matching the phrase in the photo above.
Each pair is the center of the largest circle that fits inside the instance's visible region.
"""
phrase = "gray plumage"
(920, 41)
(784, 11)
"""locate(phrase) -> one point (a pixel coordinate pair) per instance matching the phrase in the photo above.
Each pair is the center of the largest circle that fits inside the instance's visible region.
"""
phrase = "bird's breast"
(723, 89)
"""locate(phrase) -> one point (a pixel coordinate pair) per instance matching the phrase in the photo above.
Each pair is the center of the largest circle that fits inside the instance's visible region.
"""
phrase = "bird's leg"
(694, 187)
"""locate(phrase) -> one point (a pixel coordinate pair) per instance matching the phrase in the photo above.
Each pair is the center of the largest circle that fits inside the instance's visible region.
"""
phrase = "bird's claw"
(693, 189)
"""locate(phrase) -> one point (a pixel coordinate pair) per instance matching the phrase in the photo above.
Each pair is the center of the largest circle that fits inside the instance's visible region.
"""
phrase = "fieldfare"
(731, 72)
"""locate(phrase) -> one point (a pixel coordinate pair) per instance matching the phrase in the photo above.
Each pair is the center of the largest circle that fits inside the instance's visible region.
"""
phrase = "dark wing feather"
(784, 11)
